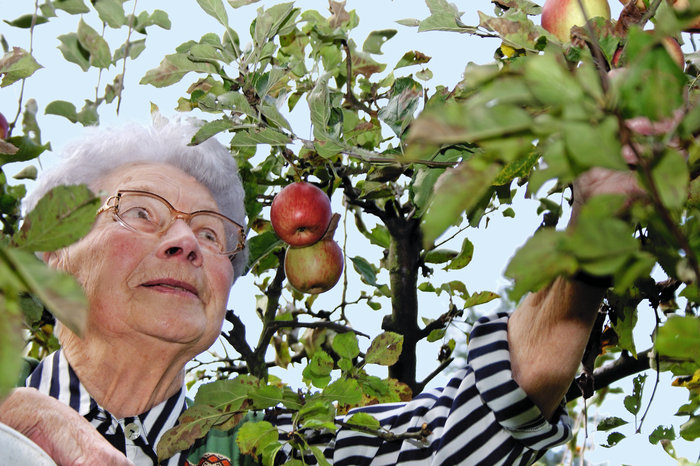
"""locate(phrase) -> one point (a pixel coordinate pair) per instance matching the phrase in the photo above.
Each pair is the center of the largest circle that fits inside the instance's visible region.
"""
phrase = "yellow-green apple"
(316, 268)
(4, 127)
(559, 16)
(300, 214)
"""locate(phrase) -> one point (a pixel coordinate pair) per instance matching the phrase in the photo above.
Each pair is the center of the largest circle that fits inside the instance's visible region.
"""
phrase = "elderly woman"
(157, 268)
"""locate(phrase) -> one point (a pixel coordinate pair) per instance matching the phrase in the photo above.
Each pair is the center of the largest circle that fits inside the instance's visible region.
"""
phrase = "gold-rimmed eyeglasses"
(147, 212)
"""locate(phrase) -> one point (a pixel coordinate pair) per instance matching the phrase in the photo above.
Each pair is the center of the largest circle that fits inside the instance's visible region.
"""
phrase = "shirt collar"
(54, 377)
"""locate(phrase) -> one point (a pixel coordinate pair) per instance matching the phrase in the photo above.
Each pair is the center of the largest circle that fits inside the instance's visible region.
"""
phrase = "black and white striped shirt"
(136, 436)
(480, 417)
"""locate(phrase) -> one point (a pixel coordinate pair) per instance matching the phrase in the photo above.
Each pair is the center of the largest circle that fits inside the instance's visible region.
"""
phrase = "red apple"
(300, 214)
(678, 5)
(4, 127)
(559, 16)
(316, 268)
(674, 49)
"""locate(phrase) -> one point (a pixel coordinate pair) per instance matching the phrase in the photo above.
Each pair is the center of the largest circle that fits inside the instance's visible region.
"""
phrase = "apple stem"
(332, 226)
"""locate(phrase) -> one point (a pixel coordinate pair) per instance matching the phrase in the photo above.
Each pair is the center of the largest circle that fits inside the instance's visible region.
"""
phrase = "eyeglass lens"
(150, 214)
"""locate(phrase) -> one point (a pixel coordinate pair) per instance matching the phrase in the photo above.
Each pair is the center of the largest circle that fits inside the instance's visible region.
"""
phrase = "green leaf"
(29, 172)
(226, 395)
(345, 345)
(679, 338)
(613, 439)
(215, 8)
(135, 49)
(385, 349)
(111, 12)
(546, 250)
(610, 423)
(59, 292)
(363, 420)
(269, 22)
(25, 21)
(379, 236)
(88, 115)
(690, 430)
(662, 433)
(464, 257)
(624, 328)
(344, 391)
(158, 18)
(319, 106)
(192, 425)
(16, 65)
(63, 216)
(97, 47)
(549, 79)
(236, 101)
(412, 58)
(455, 123)
(649, 68)
(74, 52)
(601, 244)
(403, 102)
(11, 341)
(253, 137)
(261, 246)
(375, 40)
(633, 402)
(436, 335)
(439, 256)
(28, 149)
(320, 457)
(240, 3)
(318, 369)
(173, 68)
(274, 116)
(266, 396)
(444, 16)
(594, 145)
(457, 190)
(515, 28)
(73, 7)
(62, 108)
(670, 174)
(317, 412)
(365, 269)
(210, 129)
(481, 297)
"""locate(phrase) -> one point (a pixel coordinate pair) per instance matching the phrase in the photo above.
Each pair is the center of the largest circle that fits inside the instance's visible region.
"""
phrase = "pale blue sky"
(450, 53)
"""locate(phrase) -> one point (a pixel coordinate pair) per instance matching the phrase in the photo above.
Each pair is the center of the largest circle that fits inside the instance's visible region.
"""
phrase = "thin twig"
(420, 435)
(421, 385)
(127, 46)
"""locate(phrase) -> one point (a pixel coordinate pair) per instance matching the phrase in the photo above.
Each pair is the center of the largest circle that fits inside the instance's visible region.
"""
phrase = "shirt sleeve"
(481, 416)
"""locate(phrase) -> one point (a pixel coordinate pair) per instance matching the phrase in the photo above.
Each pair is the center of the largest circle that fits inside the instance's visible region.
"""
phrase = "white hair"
(102, 150)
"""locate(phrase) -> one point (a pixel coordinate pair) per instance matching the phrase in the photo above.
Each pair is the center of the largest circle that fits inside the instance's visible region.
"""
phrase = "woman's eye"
(208, 235)
(137, 213)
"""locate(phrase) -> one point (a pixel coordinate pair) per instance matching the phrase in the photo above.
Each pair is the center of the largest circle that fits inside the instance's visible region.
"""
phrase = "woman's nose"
(180, 242)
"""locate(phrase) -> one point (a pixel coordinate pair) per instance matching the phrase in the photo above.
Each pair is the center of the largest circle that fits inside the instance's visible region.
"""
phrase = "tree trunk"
(403, 262)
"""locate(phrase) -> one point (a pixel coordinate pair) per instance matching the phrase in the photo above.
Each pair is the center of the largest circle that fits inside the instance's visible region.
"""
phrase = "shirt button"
(132, 431)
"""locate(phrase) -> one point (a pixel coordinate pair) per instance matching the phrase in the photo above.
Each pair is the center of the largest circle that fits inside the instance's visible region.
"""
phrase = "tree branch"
(622, 367)
(420, 435)
(421, 385)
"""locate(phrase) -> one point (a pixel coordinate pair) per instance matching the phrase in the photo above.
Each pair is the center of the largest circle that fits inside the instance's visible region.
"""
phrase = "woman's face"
(162, 286)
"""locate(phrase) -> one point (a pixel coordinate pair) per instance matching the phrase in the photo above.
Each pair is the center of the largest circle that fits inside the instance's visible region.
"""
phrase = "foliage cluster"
(428, 165)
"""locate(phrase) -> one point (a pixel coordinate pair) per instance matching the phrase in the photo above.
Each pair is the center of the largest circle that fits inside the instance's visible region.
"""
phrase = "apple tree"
(415, 168)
